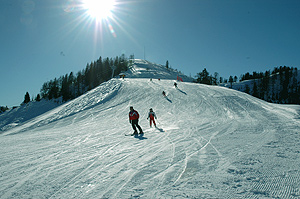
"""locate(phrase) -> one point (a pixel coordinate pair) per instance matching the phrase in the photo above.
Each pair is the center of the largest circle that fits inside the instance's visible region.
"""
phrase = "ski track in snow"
(210, 142)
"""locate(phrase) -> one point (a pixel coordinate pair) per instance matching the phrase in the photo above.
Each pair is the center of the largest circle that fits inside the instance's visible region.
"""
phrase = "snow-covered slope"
(210, 142)
(145, 69)
(21, 114)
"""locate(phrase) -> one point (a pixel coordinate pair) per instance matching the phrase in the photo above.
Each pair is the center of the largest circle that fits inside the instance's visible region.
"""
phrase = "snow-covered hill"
(210, 142)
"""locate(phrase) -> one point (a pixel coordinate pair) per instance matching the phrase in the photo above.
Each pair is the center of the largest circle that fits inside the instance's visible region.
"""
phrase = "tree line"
(278, 86)
(205, 78)
(70, 86)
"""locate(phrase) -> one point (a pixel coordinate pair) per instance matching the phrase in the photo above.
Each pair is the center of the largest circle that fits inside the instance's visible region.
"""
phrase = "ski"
(130, 134)
(134, 134)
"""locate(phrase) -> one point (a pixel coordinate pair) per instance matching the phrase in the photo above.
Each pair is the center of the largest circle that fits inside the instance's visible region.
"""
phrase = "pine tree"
(203, 77)
(235, 79)
(247, 89)
(65, 91)
(26, 98)
(255, 90)
(38, 98)
(215, 79)
(221, 80)
(54, 89)
(3, 109)
(230, 81)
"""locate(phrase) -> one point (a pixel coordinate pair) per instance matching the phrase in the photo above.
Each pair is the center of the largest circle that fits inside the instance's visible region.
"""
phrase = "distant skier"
(134, 120)
(164, 93)
(175, 84)
(152, 115)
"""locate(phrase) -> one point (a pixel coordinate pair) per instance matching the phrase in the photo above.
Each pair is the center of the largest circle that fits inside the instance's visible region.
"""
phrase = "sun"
(99, 9)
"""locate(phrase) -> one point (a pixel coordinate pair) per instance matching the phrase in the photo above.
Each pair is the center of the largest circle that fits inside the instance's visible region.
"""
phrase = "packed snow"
(210, 142)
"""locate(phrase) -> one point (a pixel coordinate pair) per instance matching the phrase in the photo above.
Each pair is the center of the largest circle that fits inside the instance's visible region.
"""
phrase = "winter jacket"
(151, 115)
(133, 115)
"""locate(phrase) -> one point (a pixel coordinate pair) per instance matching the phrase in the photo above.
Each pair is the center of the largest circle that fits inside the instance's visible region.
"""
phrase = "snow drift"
(210, 142)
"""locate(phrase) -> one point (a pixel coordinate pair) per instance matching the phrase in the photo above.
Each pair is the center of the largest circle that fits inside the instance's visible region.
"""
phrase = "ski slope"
(210, 142)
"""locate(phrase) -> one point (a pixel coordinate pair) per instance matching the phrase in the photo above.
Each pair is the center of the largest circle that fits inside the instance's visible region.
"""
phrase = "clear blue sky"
(44, 39)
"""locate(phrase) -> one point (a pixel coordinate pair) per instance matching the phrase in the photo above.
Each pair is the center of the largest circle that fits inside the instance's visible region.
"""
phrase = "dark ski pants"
(152, 120)
(135, 123)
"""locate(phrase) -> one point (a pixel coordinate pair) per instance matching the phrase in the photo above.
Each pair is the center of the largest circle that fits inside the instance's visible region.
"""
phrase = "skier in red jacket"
(134, 120)
(152, 115)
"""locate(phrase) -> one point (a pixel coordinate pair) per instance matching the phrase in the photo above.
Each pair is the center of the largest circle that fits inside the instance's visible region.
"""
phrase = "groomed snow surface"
(210, 142)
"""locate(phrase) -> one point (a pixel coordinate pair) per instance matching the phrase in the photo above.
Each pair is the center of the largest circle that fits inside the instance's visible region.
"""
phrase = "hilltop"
(210, 142)
(146, 69)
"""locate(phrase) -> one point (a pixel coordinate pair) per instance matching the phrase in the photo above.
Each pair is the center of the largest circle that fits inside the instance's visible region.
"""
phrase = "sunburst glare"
(100, 12)
(99, 9)
(101, 16)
